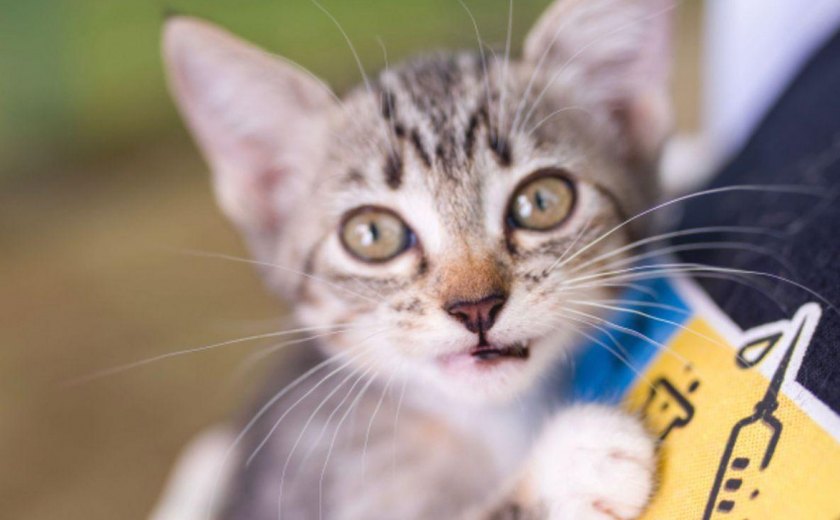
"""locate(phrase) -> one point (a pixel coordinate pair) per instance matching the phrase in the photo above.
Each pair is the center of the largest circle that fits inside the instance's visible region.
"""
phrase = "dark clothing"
(797, 144)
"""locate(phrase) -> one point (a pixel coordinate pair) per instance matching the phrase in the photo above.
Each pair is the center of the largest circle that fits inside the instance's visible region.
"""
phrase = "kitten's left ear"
(619, 53)
(259, 120)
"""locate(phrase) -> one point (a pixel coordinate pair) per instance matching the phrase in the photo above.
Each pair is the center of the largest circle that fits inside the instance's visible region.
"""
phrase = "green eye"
(542, 202)
(374, 234)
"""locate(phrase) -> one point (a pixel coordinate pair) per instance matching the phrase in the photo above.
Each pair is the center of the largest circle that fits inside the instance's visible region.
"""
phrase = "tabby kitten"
(430, 225)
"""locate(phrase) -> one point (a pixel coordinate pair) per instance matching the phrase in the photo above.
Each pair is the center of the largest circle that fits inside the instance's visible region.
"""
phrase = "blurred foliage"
(82, 79)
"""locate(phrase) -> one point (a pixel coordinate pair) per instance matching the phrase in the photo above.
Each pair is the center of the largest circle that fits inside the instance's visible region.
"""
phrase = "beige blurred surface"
(92, 278)
(93, 274)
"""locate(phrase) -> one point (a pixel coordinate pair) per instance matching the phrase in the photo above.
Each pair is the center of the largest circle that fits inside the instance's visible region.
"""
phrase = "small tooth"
(486, 355)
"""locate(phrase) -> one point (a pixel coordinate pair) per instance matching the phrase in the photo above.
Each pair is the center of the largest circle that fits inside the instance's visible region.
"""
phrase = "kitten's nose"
(477, 316)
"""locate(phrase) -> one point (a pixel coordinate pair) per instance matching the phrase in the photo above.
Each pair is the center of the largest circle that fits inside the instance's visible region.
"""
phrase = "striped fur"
(441, 140)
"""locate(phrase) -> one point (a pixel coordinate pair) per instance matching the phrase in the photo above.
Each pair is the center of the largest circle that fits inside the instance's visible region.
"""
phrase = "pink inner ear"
(267, 184)
(257, 119)
(619, 52)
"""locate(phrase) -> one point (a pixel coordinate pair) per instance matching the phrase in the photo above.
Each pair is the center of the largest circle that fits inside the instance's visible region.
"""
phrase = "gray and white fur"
(397, 418)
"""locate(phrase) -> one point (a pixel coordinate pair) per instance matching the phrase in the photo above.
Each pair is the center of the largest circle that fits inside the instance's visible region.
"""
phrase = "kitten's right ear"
(619, 52)
(260, 121)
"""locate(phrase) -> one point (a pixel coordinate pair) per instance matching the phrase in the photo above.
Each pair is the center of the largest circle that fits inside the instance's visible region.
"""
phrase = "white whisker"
(556, 113)
(654, 318)
(666, 252)
(372, 418)
(195, 350)
(606, 347)
(641, 303)
(678, 234)
(255, 357)
(335, 437)
(583, 49)
(700, 268)
(308, 422)
(353, 354)
(483, 59)
(396, 425)
(714, 191)
(534, 75)
(231, 258)
(506, 66)
(632, 332)
(294, 405)
(389, 134)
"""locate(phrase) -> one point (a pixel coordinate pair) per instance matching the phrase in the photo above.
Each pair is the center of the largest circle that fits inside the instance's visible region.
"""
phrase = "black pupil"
(374, 231)
(540, 200)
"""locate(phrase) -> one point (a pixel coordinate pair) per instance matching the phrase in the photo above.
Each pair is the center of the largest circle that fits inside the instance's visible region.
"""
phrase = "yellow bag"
(741, 438)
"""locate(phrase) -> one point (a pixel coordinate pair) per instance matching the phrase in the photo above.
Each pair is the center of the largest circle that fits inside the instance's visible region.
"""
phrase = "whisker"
(506, 66)
(606, 347)
(352, 47)
(255, 357)
(637, 273)
(372, 418)
(556, 113)
(294, 405)
(186, 352)
(389, 133)
(632, 332)
(353, 353)
(583, 230)
(305, 427)
(534, 74)
(396, 425)
(483, 58)
(358, 61)
(788, 189)
(701, 246)
(642, 303)
(649, 291)
(654, 318)
(314, 445)
(678, 234)
(700, 268)
(586, 47)
(621, 351)
(753, 284)
(308, 422)
(231, 258)
(334, 438)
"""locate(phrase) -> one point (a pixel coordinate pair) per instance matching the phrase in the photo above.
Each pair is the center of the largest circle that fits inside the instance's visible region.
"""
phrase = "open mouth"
(486, 356)
(490, 352)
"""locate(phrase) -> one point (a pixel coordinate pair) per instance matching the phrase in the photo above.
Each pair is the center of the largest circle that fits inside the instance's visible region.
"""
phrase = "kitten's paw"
(594, 463)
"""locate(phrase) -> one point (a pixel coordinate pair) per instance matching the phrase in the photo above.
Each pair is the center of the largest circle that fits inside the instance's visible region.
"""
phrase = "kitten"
(430, 225)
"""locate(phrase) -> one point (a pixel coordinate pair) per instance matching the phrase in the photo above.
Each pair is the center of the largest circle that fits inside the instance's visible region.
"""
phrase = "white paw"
(191, 493)
(594, 463)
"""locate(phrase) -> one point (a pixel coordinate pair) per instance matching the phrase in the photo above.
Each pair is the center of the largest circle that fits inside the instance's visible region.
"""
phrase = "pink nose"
(477, 316)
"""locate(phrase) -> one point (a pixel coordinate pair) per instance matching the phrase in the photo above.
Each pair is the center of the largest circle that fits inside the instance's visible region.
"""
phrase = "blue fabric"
(602, 376)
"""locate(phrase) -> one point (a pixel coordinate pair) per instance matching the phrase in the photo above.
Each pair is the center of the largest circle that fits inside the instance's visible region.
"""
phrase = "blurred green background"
(82, 78)
(100, 192)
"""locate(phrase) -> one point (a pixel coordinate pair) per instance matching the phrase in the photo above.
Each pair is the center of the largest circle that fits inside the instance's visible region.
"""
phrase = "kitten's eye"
(542, 202)
(374, 234)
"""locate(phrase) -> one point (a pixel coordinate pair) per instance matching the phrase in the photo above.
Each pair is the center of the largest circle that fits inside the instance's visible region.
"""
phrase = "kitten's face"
(435, 223)
(425, 227)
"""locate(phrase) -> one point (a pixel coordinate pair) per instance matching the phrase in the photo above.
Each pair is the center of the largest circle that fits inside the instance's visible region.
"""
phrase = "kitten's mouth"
(491, 353)
(486, 356)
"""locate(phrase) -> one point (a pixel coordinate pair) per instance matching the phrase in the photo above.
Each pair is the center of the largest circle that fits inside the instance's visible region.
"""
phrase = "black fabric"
(798, 143)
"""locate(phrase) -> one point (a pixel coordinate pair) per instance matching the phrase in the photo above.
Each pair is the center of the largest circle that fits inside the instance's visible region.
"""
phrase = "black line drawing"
(755, 351)
(664, 397)
(761, 428)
